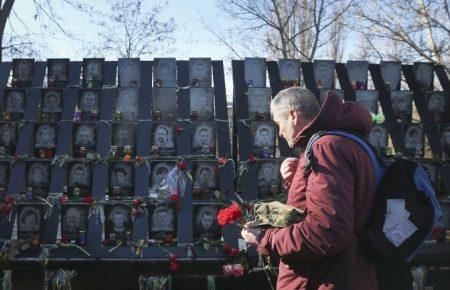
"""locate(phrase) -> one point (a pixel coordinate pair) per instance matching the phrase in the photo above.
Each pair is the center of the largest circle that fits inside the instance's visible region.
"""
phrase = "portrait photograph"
(162, 221)
(259, 103)
(129, 72)
(255, 72)
(391, 72)
(15, 102)
(126, 103)
(202, 104)
(290, 70)
(205, 223)
(124, 134)
(263, 135)
(88, 100)
(165, 104)
(79, 179)
(44, 136)
(84, 135)
(117, 222)
(29, 220)
(165, 72)
(73, 220)
(57, 72)
(324, 73)
(8, 137)
(378, 136)
(93, 72)
(204, 139)
(4, 174)
(413, 139)
(51, 104)
(159, 173)
(163, 138)
(401, 102)
(436, 105)
(23, 71)
(205, 179)
(200, 72)
(368, 100)
(445, 139)
(358, 73)
(38, 176)
(424, 73)
(323, 94)
(121, 181)
(268, 178)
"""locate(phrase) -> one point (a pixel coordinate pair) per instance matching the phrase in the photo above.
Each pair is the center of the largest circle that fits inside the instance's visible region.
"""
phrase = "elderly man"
(320, 251)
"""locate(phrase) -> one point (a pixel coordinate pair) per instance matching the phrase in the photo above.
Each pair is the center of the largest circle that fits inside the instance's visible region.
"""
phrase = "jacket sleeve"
(328, 226)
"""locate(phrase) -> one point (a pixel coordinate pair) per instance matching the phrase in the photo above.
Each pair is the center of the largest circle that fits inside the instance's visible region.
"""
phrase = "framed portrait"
(205, 179)
(445, 140)
(51, 104)
(163, 139)
(22, 72)
(368, 100)
(57, 72)
(45, 135)
(202, 104)
(8, 138)
(324, 73)
(29, 221)
(121, 181)
(205, 222)
(14, 104)
(165, 73)
(38, 177)
(4, 175)
(391, 72)
(161, 184)
(378, 137)
(79, 179)
(200, 72)
(124, 134)
(413, 139)
(74, 222)
(323, 94)
(432, 170)
(401, 102)
(162, 222)
(358, 73)
(126, 104)
(263, 135)
(204, 138)
(165, 106)
(268, 179)
(255, 72)
(129, 72)
(89, 104)
(118, 223)
(290, 70)
(424, 75)
(436, 104)
(259, 103)
(93, 72)
(84, 139)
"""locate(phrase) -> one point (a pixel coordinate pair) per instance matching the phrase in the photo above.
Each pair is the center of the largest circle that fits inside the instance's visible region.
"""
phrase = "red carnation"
(182, 166)
(234, 252)
(137, 202)
(227, 248)
(49, 153)
(222, 160)
(251, 157)
(88, 199)
(173, 257)
(175, 197)
(229, 215)
(9, 200)
(173, 266)
(62, 199)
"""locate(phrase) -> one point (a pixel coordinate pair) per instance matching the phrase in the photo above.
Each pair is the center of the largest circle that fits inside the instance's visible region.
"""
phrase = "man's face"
(200, 69)
(124, 136)
(79, 175)
(45, 135)
(92, 69)
(6, 136)
(57, 70)
(22, 71)
(204, 137)
(30, 220)
(89, 101)
(73, 217)
(162, 218)
(204, 176)
(399, 104)
(268, 172)
(162, 174)
(52, 102)
(118, 219)
(413, 138)
(120, 178)
(207, 221)
(16, 101)
(161, 136)
(264, 137)
(37, 174)
(287, 129)
(85, 136)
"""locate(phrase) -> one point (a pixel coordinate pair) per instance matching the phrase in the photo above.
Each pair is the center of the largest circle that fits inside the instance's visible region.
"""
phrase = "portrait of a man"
(121, 176)
(29, 219)
(23, 71)
(4, 174)
(118, 220)
(289, 69)
(205, 175)
(89, 100)
(8, 137)
(324, 73)
(79, 176)
(165, 102)
(124, 135)
(58, 70)
(391, 72)
(358, 73)
(163, 138)
(259, 102)
(413, 139)
(45, 136)
(423, 73)
(200, 72)
(15, 102)
(51, 101)
(126, 103)
(401, 102)
(162, 221)
(38, 176)
(206, 226)
(268, 174)
(160, 171)
(165, 72)
(255, 72)
(378, 137)
(368, 100)
(202, 103)
(204, 139)
(129, 72)
(84, 135)
(92, 71)
(263, 135)
(436, 104)
(73, 219)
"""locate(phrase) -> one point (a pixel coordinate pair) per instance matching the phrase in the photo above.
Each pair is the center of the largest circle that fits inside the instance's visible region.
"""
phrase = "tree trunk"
(4, 14)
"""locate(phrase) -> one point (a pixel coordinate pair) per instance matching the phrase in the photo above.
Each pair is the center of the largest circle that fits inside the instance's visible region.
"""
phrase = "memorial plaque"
(51, 104)
(165, 73)
(436, 104)
(259, 103)
(205, 223)
(121, 181)
(79, 179)
(126, 104)
(129, 72)
(22, 72)
(161, 185)
(269, 179)
(162, 222)
(14, 104)
(93, 72)
(255, 72)
(163, 139)
(45, 140)
(74, 223)
(368, 100)
(413, 139)
(8, 138)
(445, 140)
(378, 137)
(423, 73)
(200, 72)
(290, 71)
(263, 136)
(202, 104)
(205, 179)
(124, 134)
(204, 138)
(38, 177)
(84, 139)
(391, 72)
(118, 224)
(29, 222)
(324, 73)
(401, 102)
(57, 72)
(358, 73)
(89, 104)
(323, 94)
(165, 106)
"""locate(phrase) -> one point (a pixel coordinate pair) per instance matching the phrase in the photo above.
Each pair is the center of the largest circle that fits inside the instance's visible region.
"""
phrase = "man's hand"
(252, 236)
(288, 168)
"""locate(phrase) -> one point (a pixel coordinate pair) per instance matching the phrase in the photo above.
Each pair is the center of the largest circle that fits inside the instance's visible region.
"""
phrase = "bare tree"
(131, 29)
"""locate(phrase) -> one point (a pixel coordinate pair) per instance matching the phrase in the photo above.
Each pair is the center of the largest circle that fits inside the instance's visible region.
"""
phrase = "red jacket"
(320, 252)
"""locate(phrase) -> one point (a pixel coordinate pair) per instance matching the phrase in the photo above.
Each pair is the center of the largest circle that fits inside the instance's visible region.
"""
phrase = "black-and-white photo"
(160, 171)
(162, 221)
(255, 72)
(126, 103)
(204, 139)
(202, 104)
(129, 72)
(51, 102)
(165, 72)
(164, 138)
(15, 103)
(423, 73)
(58, 72)
(23, 71)
(290, 70)
(44, 136)
(378, 136)
(4, 174)
(93, 71)
(324, 73)
(268, 174)
(200, 72)
(391, 72)
(323, 94)
(368, 100)
(8, 137)
(413, 139)
(73, 220)
(431, 169)
(118, 221)
(445, 140)
(79, 179)
(263, 135)
(84, 135)
(259, 103)
(121, 178)
(29, 220)
(124, 134)
(205, 175)
(38, 176)
(358, 73)
(88, 100)
(401, 102)
(165, 104)
(436, 104)
(206, 226)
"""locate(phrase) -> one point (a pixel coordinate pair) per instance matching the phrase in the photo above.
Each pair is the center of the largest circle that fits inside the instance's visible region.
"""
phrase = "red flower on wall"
(229, 215)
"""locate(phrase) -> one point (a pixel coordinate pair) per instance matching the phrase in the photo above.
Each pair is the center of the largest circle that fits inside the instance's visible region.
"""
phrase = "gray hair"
(298, 99)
